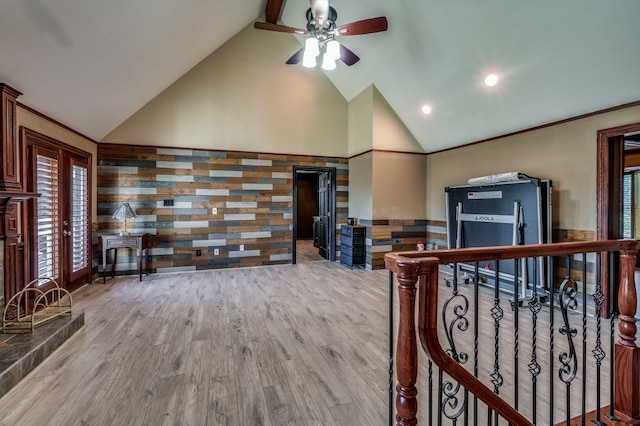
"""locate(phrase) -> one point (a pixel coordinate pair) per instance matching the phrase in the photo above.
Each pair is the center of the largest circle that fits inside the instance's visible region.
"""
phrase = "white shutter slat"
(48, 211)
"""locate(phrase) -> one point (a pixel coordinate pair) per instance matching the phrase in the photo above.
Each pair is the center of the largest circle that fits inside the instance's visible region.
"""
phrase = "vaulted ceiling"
(91, 64)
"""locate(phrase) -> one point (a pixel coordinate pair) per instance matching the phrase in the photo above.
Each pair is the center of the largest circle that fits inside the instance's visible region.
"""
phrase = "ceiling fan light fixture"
(322, 30)
(308, 59)
(333, 50)
(328, 62)
(311, 46)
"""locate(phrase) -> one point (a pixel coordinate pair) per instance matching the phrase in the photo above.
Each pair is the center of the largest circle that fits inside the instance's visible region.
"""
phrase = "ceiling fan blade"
(366, 26)
(296, 58)
(279, 28)
(274, 9)
(347, 56)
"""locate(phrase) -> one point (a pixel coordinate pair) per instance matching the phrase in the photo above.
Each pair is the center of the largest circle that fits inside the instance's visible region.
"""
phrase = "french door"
(59, 220)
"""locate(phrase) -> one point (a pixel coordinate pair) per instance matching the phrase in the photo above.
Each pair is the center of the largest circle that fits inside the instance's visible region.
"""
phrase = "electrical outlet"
(198, 252)
(214, 210)
(216, 252)
(241, 247)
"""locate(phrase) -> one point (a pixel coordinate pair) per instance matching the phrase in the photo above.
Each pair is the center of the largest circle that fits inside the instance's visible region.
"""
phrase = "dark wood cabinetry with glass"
(352, 249)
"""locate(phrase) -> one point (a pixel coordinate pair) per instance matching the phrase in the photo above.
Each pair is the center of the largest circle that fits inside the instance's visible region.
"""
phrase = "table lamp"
(124, 212)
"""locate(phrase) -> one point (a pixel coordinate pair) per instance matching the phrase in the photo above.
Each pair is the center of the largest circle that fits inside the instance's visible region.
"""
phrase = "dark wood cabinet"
(352, 248)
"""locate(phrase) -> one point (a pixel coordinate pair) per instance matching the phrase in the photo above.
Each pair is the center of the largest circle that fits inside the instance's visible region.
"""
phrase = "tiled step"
(21, 353)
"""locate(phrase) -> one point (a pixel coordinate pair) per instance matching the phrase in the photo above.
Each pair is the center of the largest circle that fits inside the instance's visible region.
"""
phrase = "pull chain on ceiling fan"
(322, 31)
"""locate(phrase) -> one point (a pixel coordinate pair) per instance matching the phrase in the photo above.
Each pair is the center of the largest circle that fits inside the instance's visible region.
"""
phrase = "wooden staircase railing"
(417, 274)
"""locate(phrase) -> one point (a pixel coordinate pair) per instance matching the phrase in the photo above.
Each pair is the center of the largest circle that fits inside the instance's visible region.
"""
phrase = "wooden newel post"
(407, 346)
(627, 353)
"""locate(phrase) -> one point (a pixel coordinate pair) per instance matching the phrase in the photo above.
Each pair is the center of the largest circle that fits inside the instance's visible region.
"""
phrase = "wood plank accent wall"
(253, 194)
(384, 236)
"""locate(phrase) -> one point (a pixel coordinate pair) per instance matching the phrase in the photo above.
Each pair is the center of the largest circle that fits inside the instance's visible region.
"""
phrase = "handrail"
(515, 252)
(413, 267)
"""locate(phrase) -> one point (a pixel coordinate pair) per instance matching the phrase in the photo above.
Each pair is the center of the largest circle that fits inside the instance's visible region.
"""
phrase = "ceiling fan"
(322, 31)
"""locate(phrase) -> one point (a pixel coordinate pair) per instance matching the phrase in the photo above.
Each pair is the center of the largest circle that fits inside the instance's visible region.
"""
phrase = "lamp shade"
(308, 59)
(333, 50)
(328, 63)
(124, 212)
(312, 46)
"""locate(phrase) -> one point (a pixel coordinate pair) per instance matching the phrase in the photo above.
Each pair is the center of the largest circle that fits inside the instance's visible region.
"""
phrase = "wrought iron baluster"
(584, 335)
(598, 353)
(476, 331)
(552, 356)
(440, 397)
(515, 306)
(391, 347)
(459, 307)
(452, 407)
(430, 408)
(534, 367)
(568, 363)
(454, 396)
(497, 313)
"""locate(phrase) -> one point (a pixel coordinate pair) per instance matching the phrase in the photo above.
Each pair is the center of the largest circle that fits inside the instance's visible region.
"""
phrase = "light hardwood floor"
(306, 252)
(281, 345)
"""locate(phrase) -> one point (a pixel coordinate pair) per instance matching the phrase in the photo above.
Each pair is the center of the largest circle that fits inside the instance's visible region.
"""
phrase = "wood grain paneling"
(252, 192)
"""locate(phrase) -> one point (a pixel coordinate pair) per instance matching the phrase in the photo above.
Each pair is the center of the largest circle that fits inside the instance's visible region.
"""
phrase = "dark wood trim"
(27, 134)
(11, 196)
(56, 122)
(543, 126)
(258, 153)
(274, 10)
(5, 195)
(264, 153)
(387, 151)
(32, 138)
(10, 146)
(609, 168)
(332, 209)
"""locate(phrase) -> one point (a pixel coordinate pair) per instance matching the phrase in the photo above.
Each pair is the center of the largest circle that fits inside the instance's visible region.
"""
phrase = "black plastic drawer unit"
(352, 248)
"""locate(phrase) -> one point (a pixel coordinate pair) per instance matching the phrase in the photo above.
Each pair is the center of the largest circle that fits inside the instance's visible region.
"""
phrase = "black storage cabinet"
(352, 251)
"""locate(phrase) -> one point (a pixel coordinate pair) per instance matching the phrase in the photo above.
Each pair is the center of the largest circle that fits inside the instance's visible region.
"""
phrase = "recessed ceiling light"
(426, 109)
(491, 80)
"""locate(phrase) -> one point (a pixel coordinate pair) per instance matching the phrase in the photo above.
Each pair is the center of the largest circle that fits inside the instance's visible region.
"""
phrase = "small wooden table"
(140, 242)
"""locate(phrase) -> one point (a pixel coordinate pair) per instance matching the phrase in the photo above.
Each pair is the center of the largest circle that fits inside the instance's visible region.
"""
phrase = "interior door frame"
(29, 138)
(610, 166)
(332, 208)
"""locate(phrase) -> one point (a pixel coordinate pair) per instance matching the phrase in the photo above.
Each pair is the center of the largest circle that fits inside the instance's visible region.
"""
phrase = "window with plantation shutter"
(79, 218)
(48, 216)
(631, 204)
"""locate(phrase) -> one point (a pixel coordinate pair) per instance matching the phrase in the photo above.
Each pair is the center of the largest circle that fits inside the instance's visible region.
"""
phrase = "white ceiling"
(90, 64)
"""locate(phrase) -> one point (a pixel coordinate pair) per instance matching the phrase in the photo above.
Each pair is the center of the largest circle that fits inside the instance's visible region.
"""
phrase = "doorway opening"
(314, 218)
(614, 217)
